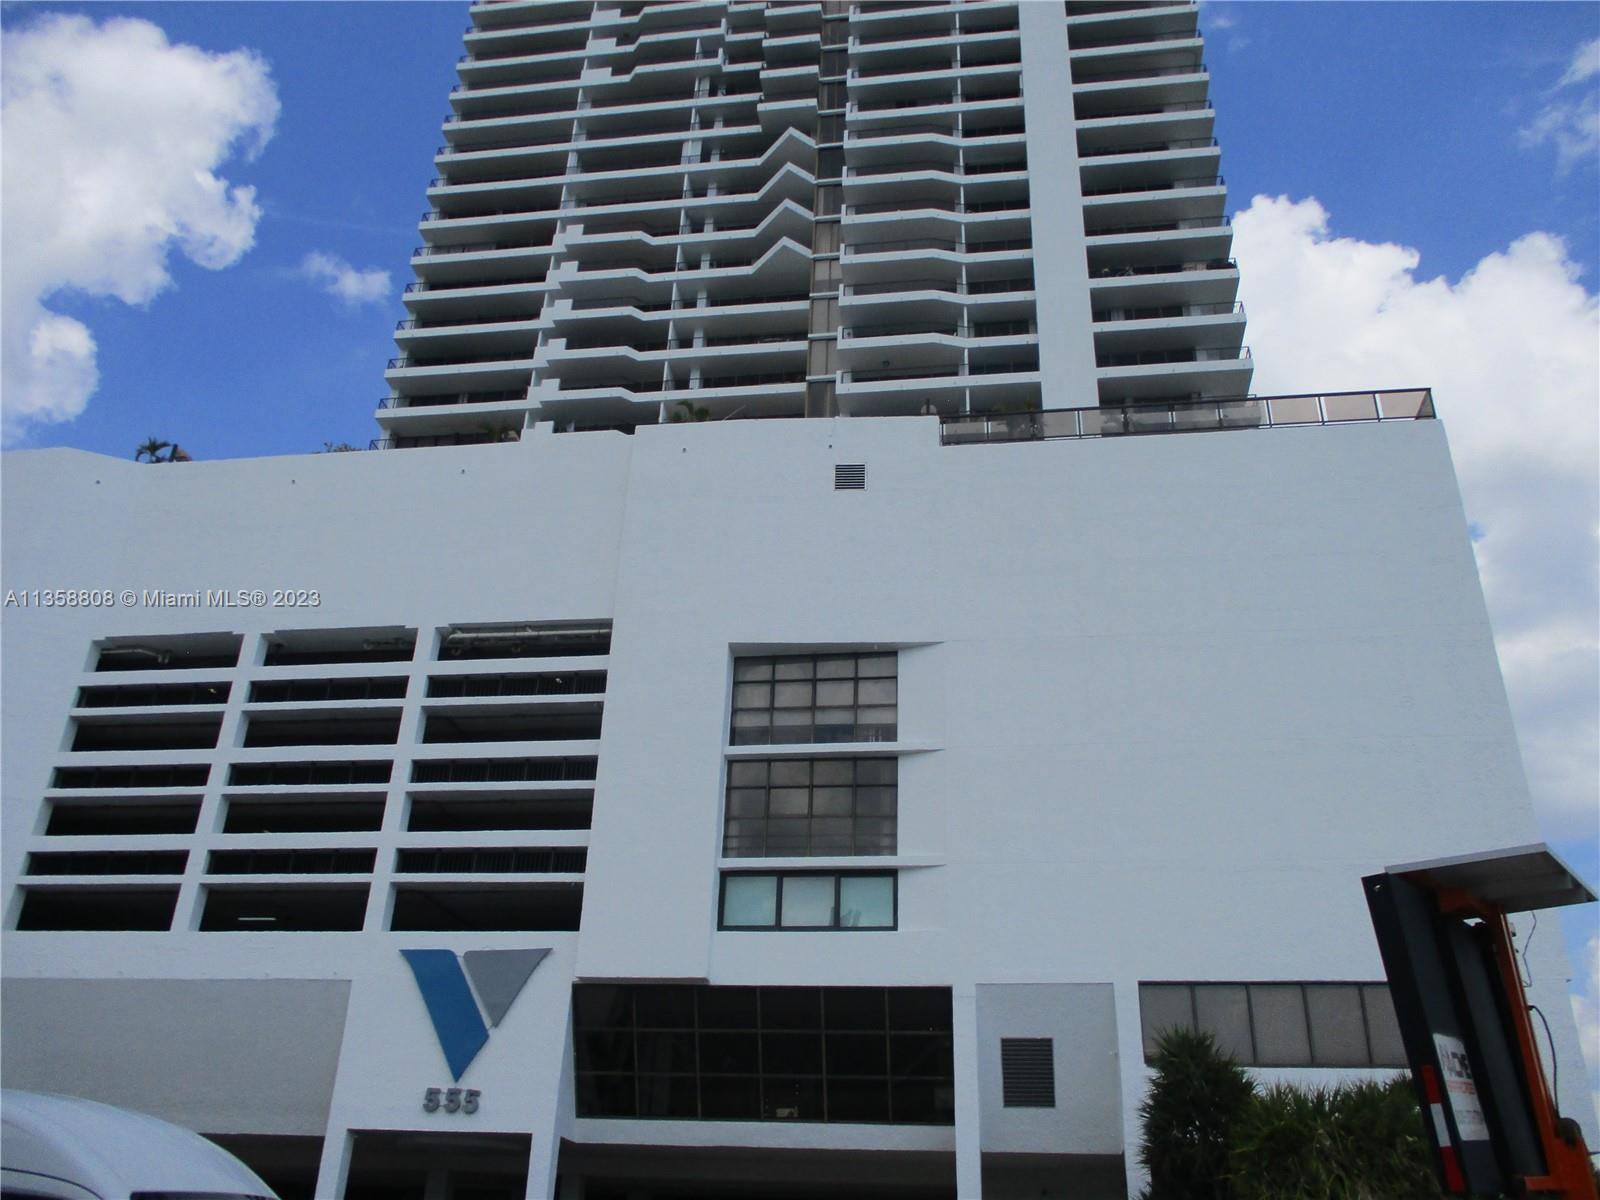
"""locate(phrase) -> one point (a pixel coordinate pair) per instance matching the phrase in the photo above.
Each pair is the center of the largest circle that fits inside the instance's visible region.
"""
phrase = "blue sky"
(1401, 118)
(1461, 131)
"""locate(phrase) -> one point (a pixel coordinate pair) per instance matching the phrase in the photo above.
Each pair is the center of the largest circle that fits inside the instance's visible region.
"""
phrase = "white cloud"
(1570, 123)
(112, 139)
(1585, 63)
(344, 282)
(1586, 1004)
(1512, 351)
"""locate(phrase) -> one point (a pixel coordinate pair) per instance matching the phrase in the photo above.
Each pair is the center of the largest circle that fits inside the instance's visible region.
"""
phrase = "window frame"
(838, 877)
(1313, 1058)
(746, 677)
(656, 1046)
(745, 822)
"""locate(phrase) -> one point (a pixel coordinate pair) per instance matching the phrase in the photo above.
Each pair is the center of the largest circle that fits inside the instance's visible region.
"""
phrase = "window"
(785, 699)
(781, 808)
(808, 900)
(1028, 1072)
(858, 1054)
(1280, 1024)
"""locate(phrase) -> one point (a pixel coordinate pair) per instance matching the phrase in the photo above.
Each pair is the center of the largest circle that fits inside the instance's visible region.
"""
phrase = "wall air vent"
(1027, 1072)
(849, 477)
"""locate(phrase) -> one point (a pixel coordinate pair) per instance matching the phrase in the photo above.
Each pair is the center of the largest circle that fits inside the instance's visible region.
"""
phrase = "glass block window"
(784, 699)
(793, 807)
(808, 900)
(1280, 1024)
(695, 1052)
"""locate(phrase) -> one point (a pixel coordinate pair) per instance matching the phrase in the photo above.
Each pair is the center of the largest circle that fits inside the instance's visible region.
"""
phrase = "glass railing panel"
(1295, 410)
(1101, 422)
(1195, 416)
(1412, 404)
(1148, 420)
(1354, 406)
(1242, 414)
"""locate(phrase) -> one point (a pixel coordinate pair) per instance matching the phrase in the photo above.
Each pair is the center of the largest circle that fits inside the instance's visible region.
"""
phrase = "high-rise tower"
(657, 802)
(653, 211)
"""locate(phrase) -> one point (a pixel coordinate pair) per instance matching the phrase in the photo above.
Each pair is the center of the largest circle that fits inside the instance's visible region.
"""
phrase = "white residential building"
(830, 804)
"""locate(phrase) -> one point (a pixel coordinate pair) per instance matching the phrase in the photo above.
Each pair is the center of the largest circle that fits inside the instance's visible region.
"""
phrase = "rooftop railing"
(1190, 416)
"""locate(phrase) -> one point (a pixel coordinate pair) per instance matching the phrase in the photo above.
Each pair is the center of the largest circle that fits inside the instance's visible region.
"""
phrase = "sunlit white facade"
(654, 801)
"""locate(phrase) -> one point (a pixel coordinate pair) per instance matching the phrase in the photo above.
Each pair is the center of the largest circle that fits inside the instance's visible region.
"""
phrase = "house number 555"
(451, 1100)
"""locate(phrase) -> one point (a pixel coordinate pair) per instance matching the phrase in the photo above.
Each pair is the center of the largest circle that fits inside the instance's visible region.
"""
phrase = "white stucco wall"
(1164, 701)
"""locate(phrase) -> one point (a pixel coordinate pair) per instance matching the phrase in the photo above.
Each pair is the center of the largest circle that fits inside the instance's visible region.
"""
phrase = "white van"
(64, 1148)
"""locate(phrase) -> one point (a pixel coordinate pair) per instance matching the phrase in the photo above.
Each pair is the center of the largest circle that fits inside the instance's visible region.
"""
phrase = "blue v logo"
(448, 984)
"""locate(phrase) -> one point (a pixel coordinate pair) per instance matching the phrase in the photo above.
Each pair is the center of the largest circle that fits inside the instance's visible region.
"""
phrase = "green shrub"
(1359, 1141)
(1188, 1115)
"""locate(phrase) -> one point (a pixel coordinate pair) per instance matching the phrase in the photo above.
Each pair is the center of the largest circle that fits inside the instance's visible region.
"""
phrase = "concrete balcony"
(1214, 282)
(898, 50)
(501, 371)
(944, 107)
(1220, 372)
(416, 418)
(936, 298)
(1139, 247)
(1119, 133)
(1132, 23)
(889, 88)
(1107, 96)
(513, 299)
(721, 397)
(946, 389)
(1158, 203)
(743, 355)
(554, 50)
(473, 339)
(471, 264)
(1143, 52)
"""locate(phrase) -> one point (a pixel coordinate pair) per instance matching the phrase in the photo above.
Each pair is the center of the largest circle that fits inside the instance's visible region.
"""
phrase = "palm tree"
(151, 450)
(691, 412)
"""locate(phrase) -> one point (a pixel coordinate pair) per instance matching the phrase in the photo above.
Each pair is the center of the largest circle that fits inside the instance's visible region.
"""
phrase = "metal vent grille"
(849, 477)
(1028, 1072)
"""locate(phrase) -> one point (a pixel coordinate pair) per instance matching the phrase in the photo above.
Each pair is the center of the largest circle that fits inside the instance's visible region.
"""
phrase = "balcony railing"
(1222, 222)
(1157, 185)
(1133, 74)
(1150, 147)
(929, 164)
(402, 362)
(409, 441)
(443, 400)
(1181, 354)
(988, 247)
(1132, 40)
(949, 206)
(1129, 270)
(1166, 311)
(418, 285)
(940, 371)
(1190, 416)
(1149, 111)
